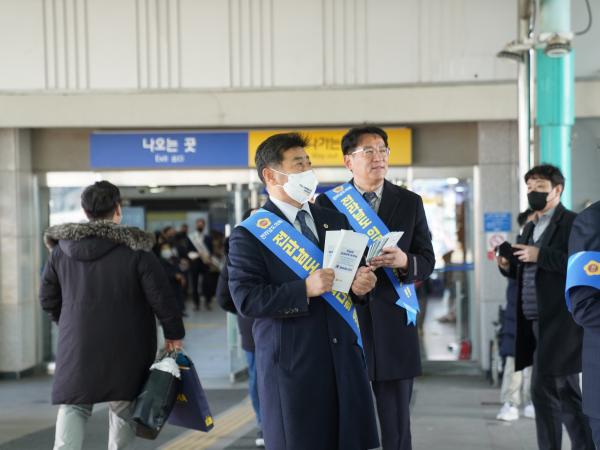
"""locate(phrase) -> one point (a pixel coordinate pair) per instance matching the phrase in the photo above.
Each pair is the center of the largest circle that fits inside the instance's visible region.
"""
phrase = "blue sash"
(300, 255)
(583, 270)
(363, 219)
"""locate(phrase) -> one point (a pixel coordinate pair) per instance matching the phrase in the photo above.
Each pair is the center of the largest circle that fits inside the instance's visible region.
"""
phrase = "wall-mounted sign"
(194, 149)
(326, 151)
(168, 150)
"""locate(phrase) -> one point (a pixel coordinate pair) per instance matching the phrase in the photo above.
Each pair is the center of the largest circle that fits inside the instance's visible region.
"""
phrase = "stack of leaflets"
(343, 251)
(389, 240)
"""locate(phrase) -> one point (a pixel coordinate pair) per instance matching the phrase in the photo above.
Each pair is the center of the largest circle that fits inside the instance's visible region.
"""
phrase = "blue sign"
(497, 221)
(168, 150)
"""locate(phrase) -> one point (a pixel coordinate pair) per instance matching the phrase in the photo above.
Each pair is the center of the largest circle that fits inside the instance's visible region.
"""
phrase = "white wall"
(173, 44)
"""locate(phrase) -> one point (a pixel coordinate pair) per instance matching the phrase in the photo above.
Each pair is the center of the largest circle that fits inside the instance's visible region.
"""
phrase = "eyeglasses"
(369, 152)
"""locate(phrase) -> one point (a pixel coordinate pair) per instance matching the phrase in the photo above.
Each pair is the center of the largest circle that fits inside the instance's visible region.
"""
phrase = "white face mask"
(300, 186)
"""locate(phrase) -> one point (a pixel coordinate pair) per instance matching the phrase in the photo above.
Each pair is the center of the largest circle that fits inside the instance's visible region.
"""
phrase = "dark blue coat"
(585, 236)
(312, 380)
(392, 346)
(508, 330)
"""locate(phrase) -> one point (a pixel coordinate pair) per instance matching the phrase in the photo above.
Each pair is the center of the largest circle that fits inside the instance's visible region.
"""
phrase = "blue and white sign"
(168, 150)
(497, 221)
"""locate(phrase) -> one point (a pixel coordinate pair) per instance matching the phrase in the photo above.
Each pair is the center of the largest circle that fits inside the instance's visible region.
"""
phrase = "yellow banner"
(325, 148)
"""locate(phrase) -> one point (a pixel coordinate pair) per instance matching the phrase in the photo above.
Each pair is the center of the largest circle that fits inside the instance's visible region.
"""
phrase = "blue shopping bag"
(191, 408)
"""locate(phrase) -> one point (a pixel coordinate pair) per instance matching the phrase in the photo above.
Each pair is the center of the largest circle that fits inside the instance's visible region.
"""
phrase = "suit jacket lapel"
(319, 225)
(389, 203)
(547, 236)
(272, 207)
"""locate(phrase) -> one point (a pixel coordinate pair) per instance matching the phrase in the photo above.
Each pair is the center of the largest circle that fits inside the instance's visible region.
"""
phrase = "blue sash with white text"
(300, 255)
(583, 270)
(364, 219)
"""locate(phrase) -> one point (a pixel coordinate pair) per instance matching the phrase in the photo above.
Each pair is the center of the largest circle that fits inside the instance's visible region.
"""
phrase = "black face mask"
(537, 200)
(200, 229)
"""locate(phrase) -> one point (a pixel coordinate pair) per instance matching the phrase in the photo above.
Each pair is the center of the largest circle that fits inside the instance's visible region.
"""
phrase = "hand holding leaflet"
(389, 240)
(343, 252)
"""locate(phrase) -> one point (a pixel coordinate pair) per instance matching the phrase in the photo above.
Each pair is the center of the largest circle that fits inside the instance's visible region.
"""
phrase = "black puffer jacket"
(104, 287)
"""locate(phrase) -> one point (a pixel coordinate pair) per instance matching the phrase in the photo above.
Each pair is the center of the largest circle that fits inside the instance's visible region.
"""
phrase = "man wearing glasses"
(391, 343)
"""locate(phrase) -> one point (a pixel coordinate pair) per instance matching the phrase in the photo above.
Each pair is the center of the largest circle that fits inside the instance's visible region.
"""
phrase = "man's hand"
(319, 282)
(503, 263)
(527, 253)
(173, 345)
(392, 257)
(364, 281)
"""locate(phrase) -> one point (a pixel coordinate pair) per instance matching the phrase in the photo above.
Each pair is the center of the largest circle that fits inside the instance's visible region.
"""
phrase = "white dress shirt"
(378, 192)
(290, 212)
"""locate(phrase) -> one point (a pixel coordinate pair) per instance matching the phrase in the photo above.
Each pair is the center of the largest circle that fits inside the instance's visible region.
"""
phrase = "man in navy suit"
(585, 304)
(312, 378)
(391, 344)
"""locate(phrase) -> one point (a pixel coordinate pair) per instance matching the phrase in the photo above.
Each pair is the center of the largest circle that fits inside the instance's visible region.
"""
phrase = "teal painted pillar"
(556, 94)
(555, 113)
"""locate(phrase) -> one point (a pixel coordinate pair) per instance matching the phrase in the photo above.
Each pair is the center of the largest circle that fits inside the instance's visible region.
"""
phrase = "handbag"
(154, 404)
(191, 409)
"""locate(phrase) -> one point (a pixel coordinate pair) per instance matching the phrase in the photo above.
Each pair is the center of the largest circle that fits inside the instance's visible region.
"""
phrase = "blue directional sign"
(168, 150)
(497, 221)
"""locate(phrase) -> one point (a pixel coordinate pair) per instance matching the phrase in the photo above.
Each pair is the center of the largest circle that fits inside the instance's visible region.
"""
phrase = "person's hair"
(351, 138)
(270, 151)
(546, 172)
(100, 200)
(523, 216)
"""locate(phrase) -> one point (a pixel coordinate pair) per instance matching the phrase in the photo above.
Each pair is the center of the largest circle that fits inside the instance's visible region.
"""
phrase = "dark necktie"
(371, 198)
(306, 231)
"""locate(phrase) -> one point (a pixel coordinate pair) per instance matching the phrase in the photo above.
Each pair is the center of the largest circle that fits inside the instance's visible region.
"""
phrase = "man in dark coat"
(547, 337)
(312, 379)
(247, 340)
(103, 286)
(391, 344)
(585, 305)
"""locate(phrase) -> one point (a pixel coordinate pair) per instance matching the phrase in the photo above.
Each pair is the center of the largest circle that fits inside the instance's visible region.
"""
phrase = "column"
(496, 191)
(20, 317)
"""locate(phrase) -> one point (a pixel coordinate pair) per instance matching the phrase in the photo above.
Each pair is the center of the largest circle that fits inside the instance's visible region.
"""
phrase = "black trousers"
(595, 426)
(393, 400)
(557, 400)
(197, 268)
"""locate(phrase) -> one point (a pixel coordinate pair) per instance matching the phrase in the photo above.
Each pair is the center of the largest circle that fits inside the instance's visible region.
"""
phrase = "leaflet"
(389, 240)
(343, 252)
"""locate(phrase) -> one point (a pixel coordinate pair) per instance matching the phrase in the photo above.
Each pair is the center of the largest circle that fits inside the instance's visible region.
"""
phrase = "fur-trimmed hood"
(75, 234)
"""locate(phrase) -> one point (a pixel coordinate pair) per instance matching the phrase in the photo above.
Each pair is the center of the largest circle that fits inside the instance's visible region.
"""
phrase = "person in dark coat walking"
(104, 287)
(391, 344)
(312, 379)
(547, 336)
(585, 306)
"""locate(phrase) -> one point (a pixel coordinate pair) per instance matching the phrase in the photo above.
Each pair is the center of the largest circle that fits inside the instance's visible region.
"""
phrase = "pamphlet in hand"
(343, 252)
(389, 240)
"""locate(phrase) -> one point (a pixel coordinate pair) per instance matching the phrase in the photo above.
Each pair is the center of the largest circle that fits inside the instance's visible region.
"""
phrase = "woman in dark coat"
(104, 287)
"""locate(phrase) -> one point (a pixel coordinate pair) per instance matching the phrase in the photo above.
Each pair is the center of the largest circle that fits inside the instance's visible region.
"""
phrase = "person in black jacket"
(585, 306)
(104, 287)
(391, 344)
(516, 385)
(247, 340)
(547, 337)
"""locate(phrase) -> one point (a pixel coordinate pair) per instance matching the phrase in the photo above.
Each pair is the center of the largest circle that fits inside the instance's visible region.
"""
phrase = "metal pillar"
(556, 94)
(525, 91)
